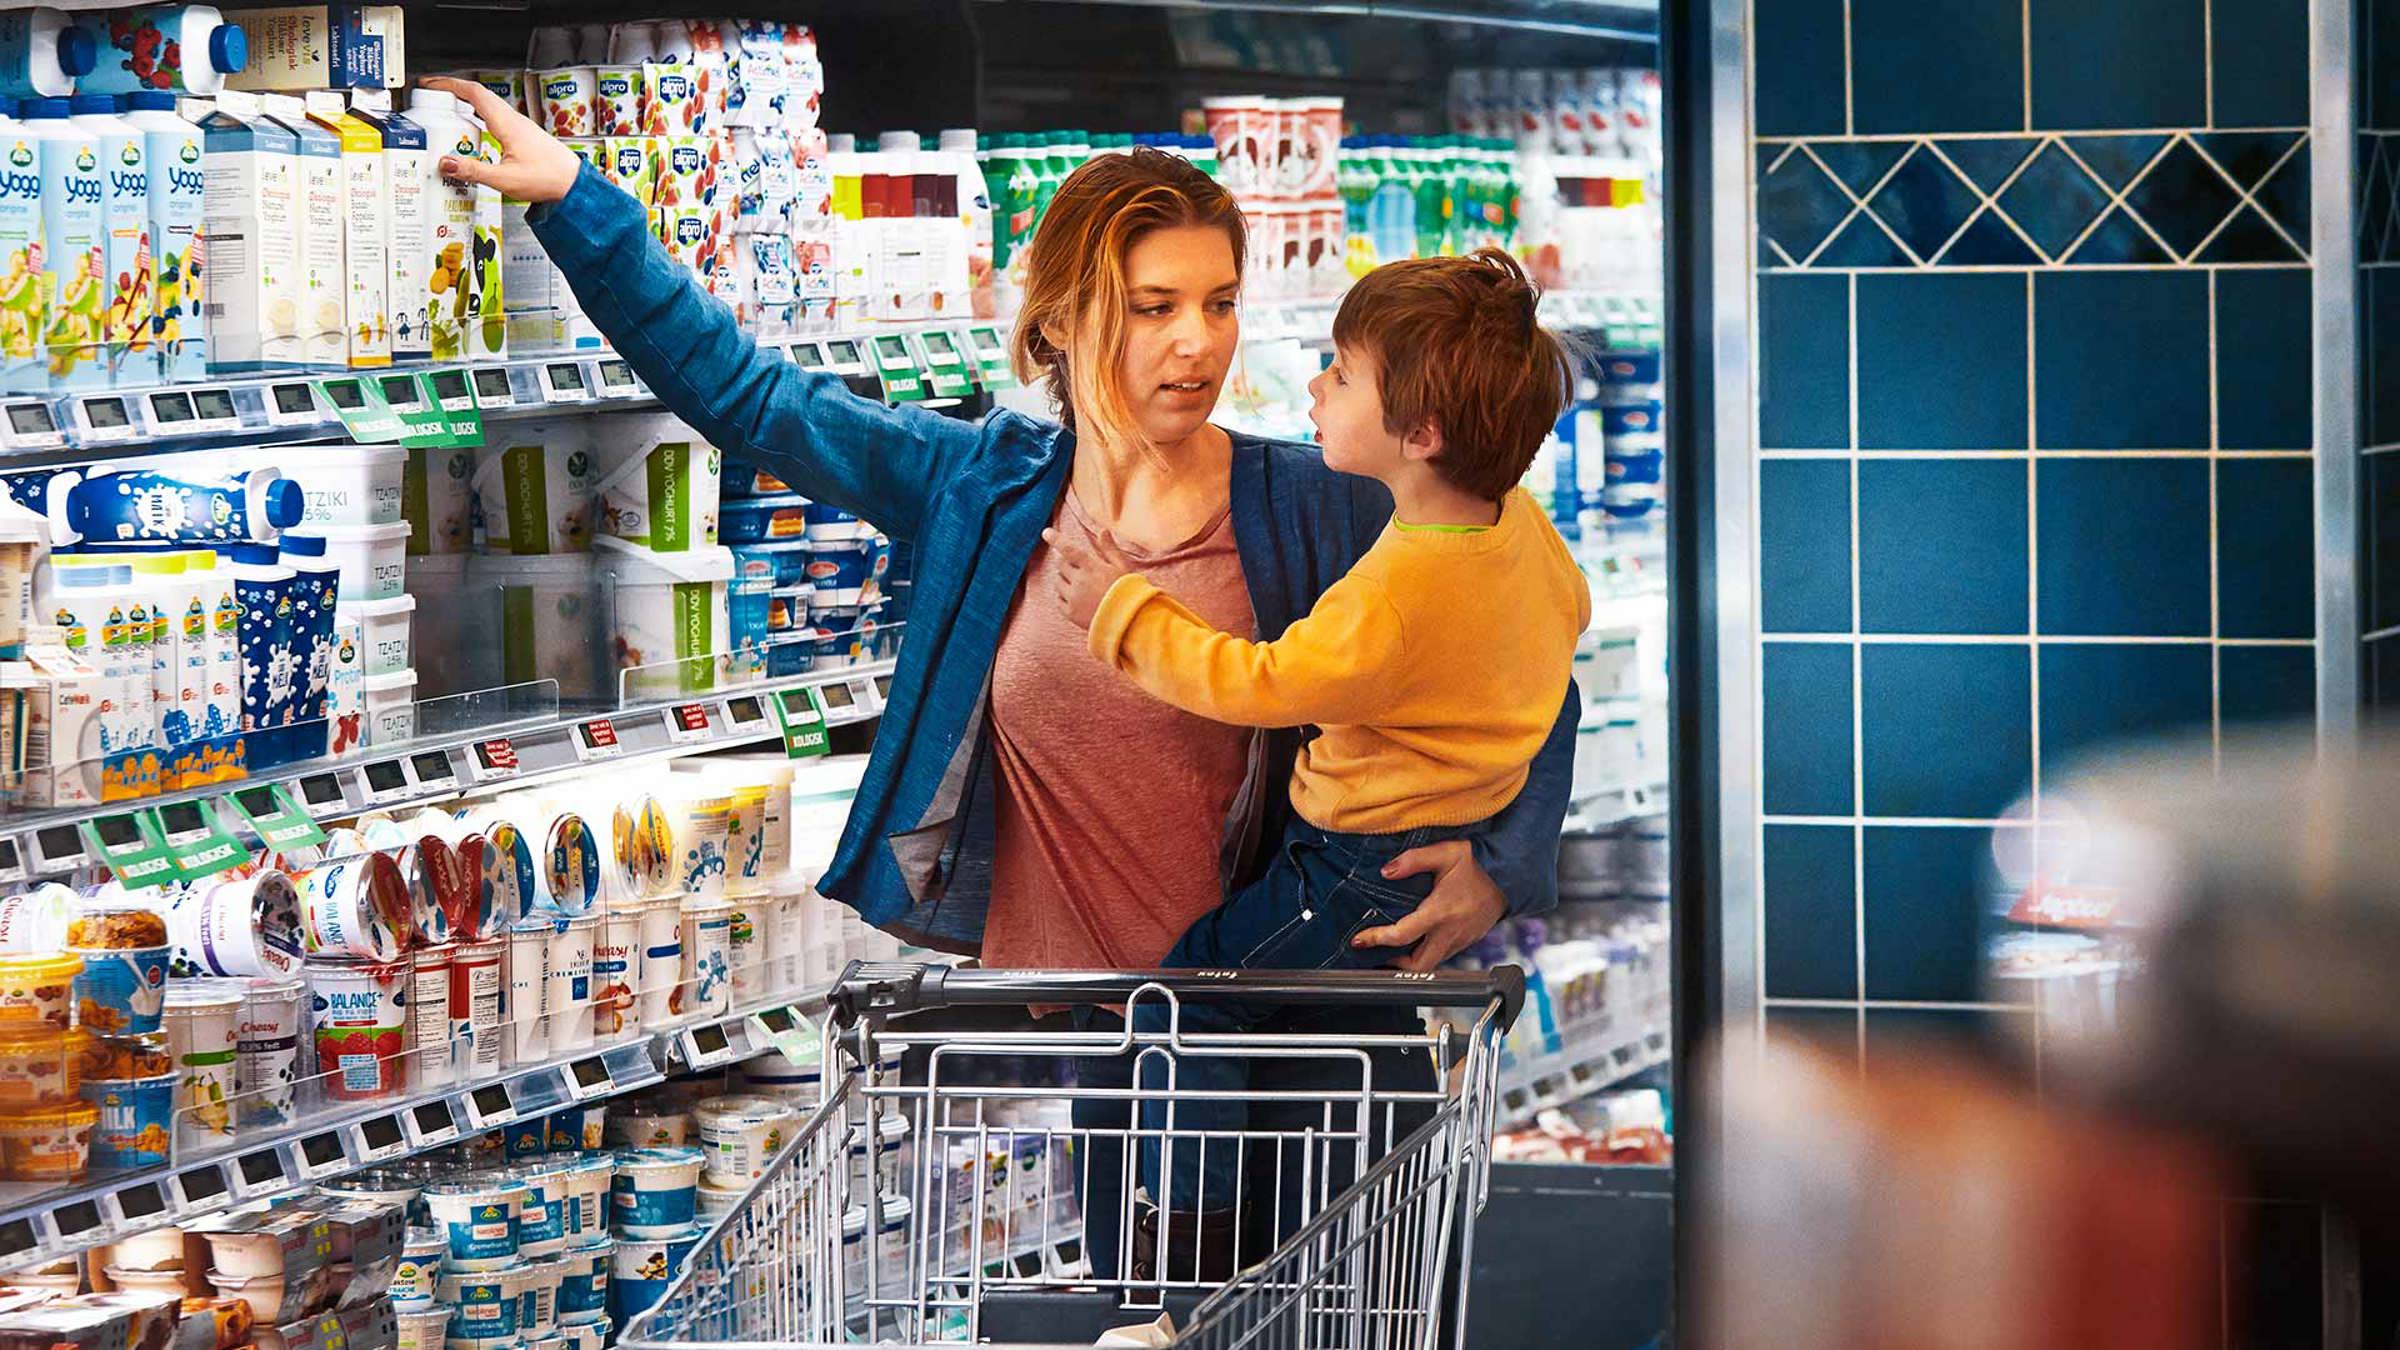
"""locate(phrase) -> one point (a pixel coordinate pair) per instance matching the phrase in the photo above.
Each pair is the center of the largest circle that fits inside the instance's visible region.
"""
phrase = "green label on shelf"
(950, 382)
(461, 427)
(131, 846)
(198, 841)
(803, 721)
(366, 417)
(275, 817)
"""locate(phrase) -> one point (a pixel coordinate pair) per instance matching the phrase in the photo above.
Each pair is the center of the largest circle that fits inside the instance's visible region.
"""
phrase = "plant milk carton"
(177, 195)
(454, 281)
(128, 284)
(366, 267)
(252, 237)
(409, 187)
(324, 293)
(24, 297)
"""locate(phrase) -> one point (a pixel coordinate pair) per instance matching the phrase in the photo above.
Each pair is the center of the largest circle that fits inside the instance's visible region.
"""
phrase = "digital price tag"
(61, 848)
(492, 759)
(366, 418)
(843, 359)
(138, 1206)
(16, 1238)
(789, 1035)
(293, 404)
(945, 368)
(402, 394)
(275, 818)
(131, 847)
(708, 1047)
(883, 690)
(991, 358)
(595, 740)
(30, 425)
(260, 1173)
(77, 1221)
(432, 769)
(12, 859)
(104, 417)
(747, 715)
(377, 1139)
(385, 781)
(199, 1187)
(589, 1078)
(171, 412)
(321, 1155)
(492, 389)
(321, 795)
(803, 723)
(862, 692)
(565, 382)
(450, 390)
(490, 1105)
(198, 842)
(617, 379)
(896, 366)
(808, 356)
(688, 724)
(214, 410)
(430, 1123)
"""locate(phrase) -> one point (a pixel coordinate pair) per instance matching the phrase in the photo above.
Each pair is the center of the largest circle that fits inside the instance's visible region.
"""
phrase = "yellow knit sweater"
(1435, 669)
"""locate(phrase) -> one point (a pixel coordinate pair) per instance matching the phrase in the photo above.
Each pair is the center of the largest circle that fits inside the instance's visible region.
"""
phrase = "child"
(1434, 669)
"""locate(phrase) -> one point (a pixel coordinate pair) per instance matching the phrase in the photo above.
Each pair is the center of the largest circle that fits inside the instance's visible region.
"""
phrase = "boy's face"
(1347, 409)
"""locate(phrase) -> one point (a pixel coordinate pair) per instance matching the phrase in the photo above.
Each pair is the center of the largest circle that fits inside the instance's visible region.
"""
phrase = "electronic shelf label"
(377, 1139)
(991, 358)
(61, 848)
(77, 1221)
(489, 761)
(430, 1123)
(489, 1105)
(945, 369)
(688, 724)
(322, 1155)
(565, 382)
(30, 425)
(402, 393)
(809, 356)
(105, 417)
(322, 795)
(199, 1187)
(260, 1173)
(589, 1078)
(131, 847)
(862, 692)
(12, 859)
(293, 403)
(138, 1205)
(452, 390)
(171, 411)
(803, 719)
(596, 739)
(198, 841)
(883, 689)
(385, 781)
(842, 358)
(898, 367)
(16, 1238)
(746, 715)
(366, 417)
(492, 388)
(617, 379)
(277, 820)
(708, 1047)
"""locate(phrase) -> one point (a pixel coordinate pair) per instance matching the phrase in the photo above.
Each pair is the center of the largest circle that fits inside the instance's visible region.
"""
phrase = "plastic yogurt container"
(47, 1143)
(248, 926)
(706, 986)
(652, 1195)
(202, 1017)
(643, 1267)
(266, 1052)
(739, 1135)
(591, 1334)
(542, 1221)
(360, 1013)
(421, 1328)
(537, 1314)
(33, 1064)
(577, 1129)
(478, 1217)
(583, 1283)
(136, 1118)
(588, 1183)
(634, 1126)
(39, 988)
(420, 1265)
(484, 1304)
(122, 991)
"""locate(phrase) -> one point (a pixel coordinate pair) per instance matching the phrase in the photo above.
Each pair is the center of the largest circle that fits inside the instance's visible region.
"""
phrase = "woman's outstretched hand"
(1084, 575)
(1463, 907)
(534, 165)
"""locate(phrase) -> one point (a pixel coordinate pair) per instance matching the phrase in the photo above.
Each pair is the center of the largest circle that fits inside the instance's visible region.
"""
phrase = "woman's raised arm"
(879, 463)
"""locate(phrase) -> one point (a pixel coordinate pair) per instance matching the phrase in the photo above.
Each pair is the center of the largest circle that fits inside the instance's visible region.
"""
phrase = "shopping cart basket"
(938, 1206)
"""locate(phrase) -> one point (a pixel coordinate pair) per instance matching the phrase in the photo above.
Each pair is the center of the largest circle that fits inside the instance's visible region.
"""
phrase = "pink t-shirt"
(1111, 805)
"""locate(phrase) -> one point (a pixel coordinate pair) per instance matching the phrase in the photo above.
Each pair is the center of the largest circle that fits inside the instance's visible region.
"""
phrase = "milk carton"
(72, 254)
(366, 267)
(126, 260)
(410, 186)
(490, 334)
(177, 195)
(24, 293)
(454, 278)
(63, 725)
(250, 223)
(324, 293)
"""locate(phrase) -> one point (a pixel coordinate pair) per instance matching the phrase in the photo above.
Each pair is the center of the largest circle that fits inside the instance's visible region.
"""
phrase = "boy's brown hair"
(1456, 344)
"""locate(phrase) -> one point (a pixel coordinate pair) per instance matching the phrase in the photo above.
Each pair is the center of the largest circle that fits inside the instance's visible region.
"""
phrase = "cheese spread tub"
(39, 988)
(47, 1143)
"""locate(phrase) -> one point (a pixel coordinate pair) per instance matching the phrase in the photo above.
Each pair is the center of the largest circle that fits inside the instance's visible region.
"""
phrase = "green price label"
(277, 820)
(803, 721)
(197, 840)
(367, 417)
(131, 846)
(461, 428)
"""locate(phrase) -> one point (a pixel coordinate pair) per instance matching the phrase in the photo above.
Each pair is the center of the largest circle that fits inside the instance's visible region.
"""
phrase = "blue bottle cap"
(303, 545)
(8, 106)
(248, 552)
(92, 103)
(228, 48)
(42, 109)
(150, 100)
(77, 53)
(286, 502)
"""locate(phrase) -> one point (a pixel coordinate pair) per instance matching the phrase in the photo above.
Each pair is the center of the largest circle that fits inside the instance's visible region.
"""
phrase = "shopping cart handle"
(896, 987)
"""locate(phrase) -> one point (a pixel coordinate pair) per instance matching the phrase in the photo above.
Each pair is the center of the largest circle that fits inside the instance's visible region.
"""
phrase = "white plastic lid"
(21, 525)
(636, 565)
(375, 609)
(385, 684)
(358, 534)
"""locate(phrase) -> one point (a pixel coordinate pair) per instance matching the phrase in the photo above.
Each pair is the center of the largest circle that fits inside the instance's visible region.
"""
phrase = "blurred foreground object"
(1930, 1207)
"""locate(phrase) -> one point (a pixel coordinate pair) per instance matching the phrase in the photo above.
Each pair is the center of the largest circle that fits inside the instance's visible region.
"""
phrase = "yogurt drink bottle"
(187, 49)
(42, 53)
(171, 148)
(73, 218)
(127, 282)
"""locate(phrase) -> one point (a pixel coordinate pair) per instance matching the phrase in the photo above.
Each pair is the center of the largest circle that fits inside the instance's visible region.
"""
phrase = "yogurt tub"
(660, 491)
(583, 1282)
(122, 991)
(355, 906)
(202, 1017)
(397, 1186)
(266, 1053)
(384, 632)
(391, 704)
(248, 926)
(742, 478)
(706, 987)
(787, 610)
(477, 1217)
(429, 1015)
(746, 951)
(434, 875)
(827, 522)
(588, 1182)
(776, 1076)
(548, 608)
(590, 1334)
(168, 1283)
(159, 1249)
(538, 1315)
(739, 1135)
(780, 562)
(136, 1118)
(359, 1011)
(48, 1143)
(841, 571)
(792, 653)
(422, 1328)
(420, 1266)
(34, 1068)
(713, 1201)
(666, 617)
(274, 1298)
(577, 1129)
(35, 921)
(484, 1304)
(574, 864)
(477, 979)
(702, 832)
(512, 875)
(346, 485)
(616, 966)
(660, 971)
(373, 558)
(640, 1128)
(522, 1139)
(768, 519)
(525, 1036)
(652, 1195)
(542, 1222)
(442, 480)
(642, 1268)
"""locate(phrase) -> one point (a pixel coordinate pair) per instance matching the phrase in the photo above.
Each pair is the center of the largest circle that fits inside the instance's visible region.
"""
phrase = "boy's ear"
(1424, 443)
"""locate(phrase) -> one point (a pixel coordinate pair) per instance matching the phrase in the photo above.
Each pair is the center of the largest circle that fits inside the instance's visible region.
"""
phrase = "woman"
(1022, 801)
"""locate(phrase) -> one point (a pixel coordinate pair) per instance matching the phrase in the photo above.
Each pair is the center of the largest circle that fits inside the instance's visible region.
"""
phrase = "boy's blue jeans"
(1321, 890)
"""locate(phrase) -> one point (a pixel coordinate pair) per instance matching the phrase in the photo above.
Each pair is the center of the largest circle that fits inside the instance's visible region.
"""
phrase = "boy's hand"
(1084, 575)
(534, 166)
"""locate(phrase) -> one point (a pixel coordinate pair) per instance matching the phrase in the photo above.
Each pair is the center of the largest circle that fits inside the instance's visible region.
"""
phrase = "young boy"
(1434, 669)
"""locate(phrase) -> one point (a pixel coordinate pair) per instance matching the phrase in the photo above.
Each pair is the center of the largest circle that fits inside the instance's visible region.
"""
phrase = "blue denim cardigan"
(915, 855)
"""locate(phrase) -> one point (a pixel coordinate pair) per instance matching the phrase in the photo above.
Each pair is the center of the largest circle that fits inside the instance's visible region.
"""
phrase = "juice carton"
(177, 196)
(24, 294)
(489, 337)
(411, 183)
(251, 233)
(324, 307)
(366, 265)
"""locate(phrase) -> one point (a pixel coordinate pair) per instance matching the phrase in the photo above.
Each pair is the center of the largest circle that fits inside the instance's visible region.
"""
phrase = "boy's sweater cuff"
(1116, 614)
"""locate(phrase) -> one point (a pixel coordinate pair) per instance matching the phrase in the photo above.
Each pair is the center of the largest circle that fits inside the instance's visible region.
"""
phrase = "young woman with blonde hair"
(1023, 802)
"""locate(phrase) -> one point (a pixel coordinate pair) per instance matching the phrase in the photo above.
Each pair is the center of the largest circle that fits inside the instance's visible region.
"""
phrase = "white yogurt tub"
(583, 1285)
(478, 1216)
(589, 1334)
(713, 1202)
(391, 706)
(635, 1127)
(739, 1135)
(537, 1313)
(383, 632)
(157, 1250)
(373, 558)
(666, 617)
(346, 485)
(588, 1181)
(485, 1303)
(547, 614)
(168, 1283)
(653, 1194)
(423, 1328)
(420, 1271)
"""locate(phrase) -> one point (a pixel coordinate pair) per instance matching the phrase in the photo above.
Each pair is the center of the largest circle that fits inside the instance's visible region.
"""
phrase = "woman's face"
(1182, 324)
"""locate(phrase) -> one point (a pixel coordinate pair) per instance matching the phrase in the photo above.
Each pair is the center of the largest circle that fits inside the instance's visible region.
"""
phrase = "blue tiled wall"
(2378, 223)
(2035, 438)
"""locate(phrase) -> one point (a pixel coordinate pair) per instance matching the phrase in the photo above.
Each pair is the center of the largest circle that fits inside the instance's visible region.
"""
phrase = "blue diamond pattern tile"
(2374, 200)
(2183, 198)
(1987, 164)
(2248, 238)
(1860, 164)
(2117, 159)
(1988, 242)
(2117, 239)
(2286, 196)
(2245, 156)
(1798, 206)
(2052, 200)
(1862, 244)
(1924, 203)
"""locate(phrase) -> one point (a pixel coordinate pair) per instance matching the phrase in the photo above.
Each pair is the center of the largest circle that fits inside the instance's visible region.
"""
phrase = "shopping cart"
(926, 1203)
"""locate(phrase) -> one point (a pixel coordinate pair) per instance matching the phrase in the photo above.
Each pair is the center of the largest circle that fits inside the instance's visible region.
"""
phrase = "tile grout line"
(2033, 544)
(1849, 97)
(1858, 700)
(1858, 207)
(2216, 653)
(2117, 196)
(2208, 64)
(2042, 640)
(2025, 59)
(2245, 197)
